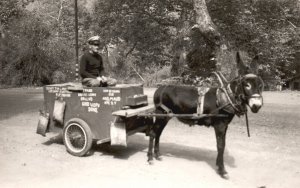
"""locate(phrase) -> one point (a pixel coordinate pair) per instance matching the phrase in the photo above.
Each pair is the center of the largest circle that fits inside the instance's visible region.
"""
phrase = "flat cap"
(94, 40)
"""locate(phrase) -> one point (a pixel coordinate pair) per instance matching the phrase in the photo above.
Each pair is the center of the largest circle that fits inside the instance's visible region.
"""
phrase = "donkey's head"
(251, 85)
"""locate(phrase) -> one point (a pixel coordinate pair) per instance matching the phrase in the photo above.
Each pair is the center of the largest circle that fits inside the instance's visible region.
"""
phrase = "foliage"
(271, 37)
(266, 29)
(156, 75)
(141, 27)
(8, 10)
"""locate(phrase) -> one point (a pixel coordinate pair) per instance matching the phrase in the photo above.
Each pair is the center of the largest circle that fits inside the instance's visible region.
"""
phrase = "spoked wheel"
(77, 137)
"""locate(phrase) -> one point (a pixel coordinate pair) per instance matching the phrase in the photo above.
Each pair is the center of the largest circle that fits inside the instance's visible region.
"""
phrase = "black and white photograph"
(150, 93)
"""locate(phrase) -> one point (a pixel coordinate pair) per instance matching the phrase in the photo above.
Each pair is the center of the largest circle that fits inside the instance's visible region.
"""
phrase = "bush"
(156, 75)
(58, 77)
(29, 55)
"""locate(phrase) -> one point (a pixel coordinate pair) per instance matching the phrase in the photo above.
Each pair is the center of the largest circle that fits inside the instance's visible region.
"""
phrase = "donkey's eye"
(248, 86)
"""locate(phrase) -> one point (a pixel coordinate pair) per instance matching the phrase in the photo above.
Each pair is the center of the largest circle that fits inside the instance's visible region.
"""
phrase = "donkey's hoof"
(223, 174)
(150, 162)
(157, 156)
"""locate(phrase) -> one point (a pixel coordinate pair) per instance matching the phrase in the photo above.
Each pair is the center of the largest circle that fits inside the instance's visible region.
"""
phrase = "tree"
(41, 45)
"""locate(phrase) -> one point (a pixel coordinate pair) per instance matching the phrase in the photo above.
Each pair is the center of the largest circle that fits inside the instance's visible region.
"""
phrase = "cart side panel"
(94, 105)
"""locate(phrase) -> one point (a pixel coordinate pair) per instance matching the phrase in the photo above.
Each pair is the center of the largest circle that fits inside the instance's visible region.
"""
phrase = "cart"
(94, 114)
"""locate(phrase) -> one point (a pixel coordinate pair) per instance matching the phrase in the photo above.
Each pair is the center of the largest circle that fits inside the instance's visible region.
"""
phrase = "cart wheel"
(77, 137)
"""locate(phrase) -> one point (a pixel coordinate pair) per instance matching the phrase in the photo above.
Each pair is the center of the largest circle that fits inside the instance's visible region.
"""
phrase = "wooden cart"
(87, 114)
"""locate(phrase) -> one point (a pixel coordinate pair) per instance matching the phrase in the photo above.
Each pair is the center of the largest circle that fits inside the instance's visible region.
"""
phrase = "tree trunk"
(204, 23)
(205, 40)
(2, 35)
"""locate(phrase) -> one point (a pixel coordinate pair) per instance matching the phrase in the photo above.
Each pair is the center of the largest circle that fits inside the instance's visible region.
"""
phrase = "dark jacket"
(91, 65)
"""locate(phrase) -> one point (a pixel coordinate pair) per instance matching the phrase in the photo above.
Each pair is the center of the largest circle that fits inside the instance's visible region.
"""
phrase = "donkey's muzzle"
(255, 102)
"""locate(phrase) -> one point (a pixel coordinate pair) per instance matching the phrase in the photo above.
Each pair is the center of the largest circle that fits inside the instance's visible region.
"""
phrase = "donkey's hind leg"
(154, 136)
(160, 124)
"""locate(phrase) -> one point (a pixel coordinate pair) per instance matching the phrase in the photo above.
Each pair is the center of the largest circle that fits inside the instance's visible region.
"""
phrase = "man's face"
(94, 47)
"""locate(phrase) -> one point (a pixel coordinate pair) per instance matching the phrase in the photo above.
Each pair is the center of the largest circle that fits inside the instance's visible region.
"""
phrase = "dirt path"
(270, 158)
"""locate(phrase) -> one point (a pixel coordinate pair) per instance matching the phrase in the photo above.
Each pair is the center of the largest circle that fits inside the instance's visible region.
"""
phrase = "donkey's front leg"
(220, 130)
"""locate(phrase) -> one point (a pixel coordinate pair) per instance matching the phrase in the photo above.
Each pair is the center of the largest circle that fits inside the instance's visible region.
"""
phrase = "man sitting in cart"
(91, 66)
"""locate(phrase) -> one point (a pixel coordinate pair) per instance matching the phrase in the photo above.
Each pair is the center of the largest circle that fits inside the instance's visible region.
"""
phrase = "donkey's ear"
(242, 68)
(254, 65)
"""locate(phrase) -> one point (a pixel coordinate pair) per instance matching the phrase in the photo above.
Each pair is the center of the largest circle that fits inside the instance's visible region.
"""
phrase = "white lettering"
(111, 91)
(85, 104)
(86, 98)
(95, 105)
(88, 90)
(115, 98)
(92, 94)
(105, 98)
(92, 109)
(66, 95)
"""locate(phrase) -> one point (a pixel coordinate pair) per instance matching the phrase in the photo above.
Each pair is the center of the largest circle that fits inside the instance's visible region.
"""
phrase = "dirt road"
(270, 158)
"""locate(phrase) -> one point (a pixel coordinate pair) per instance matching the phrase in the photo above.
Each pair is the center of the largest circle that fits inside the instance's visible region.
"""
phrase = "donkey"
(222, 103)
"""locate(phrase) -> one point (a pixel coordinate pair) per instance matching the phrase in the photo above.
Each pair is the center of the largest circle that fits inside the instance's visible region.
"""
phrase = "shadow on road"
(140, 144)
(195, 154)
(57, 139)
(17, 101)
(120, 152)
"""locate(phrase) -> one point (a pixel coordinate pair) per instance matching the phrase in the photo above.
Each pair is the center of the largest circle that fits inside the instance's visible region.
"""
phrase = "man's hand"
(94, 82)
(99, 78)
(104, 79)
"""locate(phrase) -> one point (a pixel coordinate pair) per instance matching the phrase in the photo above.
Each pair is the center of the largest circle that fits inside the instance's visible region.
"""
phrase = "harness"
(201, 94)
(233, 100)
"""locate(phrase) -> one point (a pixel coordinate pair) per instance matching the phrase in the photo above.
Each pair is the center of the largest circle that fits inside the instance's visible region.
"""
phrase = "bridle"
(242, 95)
(235, 94)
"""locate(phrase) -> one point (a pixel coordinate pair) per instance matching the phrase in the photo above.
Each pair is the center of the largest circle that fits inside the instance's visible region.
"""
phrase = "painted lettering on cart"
(85, 103)
(87, 98)
(59, 91)
(92, 106)
(111, 99)
(88, 90)
(91, 109)
(87, 94)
